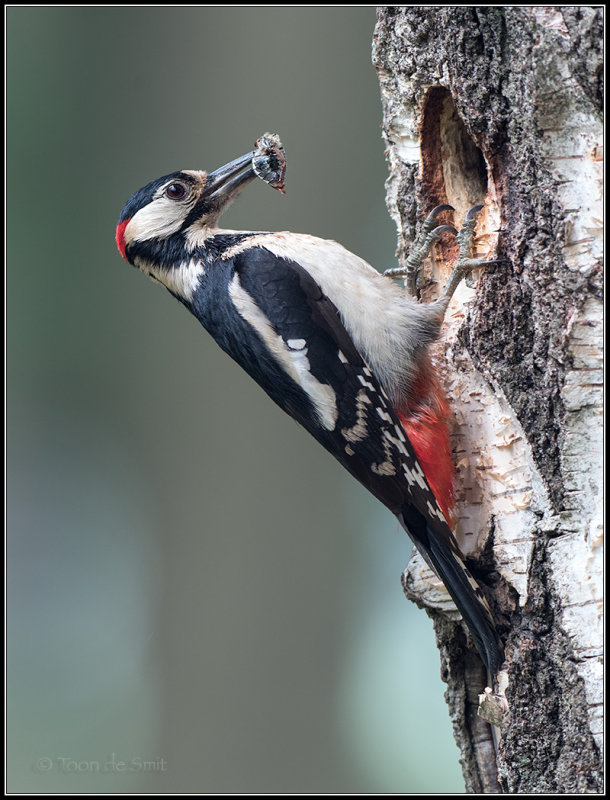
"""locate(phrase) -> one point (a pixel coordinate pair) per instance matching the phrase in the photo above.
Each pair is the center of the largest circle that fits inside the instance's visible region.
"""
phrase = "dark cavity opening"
(453, 167)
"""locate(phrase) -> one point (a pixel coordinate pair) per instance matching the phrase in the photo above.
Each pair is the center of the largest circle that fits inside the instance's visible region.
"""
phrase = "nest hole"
(454, 170)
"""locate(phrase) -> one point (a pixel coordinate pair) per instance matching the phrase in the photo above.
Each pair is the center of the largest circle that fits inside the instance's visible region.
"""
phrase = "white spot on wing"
(294, 362)
(382, 322)
(410, 476)
(384, 415)
(396, 442)
(365, 383)
(435, 511)
(358, 431)
(418, 473)
(385, 468)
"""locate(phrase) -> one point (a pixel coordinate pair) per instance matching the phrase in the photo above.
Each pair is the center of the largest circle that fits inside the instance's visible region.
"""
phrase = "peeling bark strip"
(502, 106)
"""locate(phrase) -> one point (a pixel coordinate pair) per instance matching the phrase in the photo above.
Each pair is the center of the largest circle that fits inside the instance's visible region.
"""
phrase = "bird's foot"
(412, 272)
(429, 235)
(465, 264)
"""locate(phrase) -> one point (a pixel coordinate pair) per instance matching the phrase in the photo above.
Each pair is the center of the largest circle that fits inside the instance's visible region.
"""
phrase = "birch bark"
(503, 106)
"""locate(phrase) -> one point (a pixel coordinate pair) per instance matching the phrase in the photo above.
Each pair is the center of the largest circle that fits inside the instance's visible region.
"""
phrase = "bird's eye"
(176, 191)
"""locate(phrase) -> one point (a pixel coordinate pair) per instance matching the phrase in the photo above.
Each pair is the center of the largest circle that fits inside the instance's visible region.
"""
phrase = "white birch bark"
(502, 106)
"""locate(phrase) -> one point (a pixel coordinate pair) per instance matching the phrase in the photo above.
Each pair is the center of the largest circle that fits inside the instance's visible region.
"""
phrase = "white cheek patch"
(291, 355)
(158, 220)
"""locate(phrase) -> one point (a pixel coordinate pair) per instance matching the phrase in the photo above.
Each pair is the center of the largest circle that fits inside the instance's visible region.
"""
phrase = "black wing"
(356, 422)
(365, 434)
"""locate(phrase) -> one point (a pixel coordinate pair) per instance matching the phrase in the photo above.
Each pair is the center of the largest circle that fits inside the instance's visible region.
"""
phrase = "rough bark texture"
(502, 106)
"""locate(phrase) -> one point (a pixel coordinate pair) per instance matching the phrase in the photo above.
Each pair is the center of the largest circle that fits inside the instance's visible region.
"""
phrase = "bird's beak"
(223, 184)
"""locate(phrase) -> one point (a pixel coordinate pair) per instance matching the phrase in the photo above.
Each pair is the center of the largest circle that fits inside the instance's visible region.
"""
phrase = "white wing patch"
(383, 323)
(291, 355)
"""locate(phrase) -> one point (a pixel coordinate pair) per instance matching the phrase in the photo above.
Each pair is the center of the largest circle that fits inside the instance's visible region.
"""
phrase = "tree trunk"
(502, 106)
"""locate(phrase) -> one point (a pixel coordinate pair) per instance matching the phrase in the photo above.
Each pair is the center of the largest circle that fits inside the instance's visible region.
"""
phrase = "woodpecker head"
(160, 219)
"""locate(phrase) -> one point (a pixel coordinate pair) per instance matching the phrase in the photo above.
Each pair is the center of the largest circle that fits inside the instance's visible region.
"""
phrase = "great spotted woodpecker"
(336, 344)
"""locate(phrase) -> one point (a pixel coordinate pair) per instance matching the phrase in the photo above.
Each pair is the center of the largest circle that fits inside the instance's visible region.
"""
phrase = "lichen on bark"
(502, 105)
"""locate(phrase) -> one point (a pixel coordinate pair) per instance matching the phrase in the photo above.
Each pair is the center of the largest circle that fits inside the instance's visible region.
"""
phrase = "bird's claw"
(473, 212)
(429, 235)
(465, 264)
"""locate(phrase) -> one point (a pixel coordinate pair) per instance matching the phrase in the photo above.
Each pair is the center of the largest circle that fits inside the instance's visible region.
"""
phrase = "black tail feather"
(471, 603)
(442, 555)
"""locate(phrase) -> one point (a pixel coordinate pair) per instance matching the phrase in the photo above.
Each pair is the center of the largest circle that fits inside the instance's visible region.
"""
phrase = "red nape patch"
(429, 435)
(120, 237)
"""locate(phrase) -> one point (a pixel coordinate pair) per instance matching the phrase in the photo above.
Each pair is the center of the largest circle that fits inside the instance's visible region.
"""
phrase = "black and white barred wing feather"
(334, 393)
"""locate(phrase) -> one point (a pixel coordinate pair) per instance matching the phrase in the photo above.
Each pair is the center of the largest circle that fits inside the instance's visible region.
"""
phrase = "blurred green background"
(199, 598)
